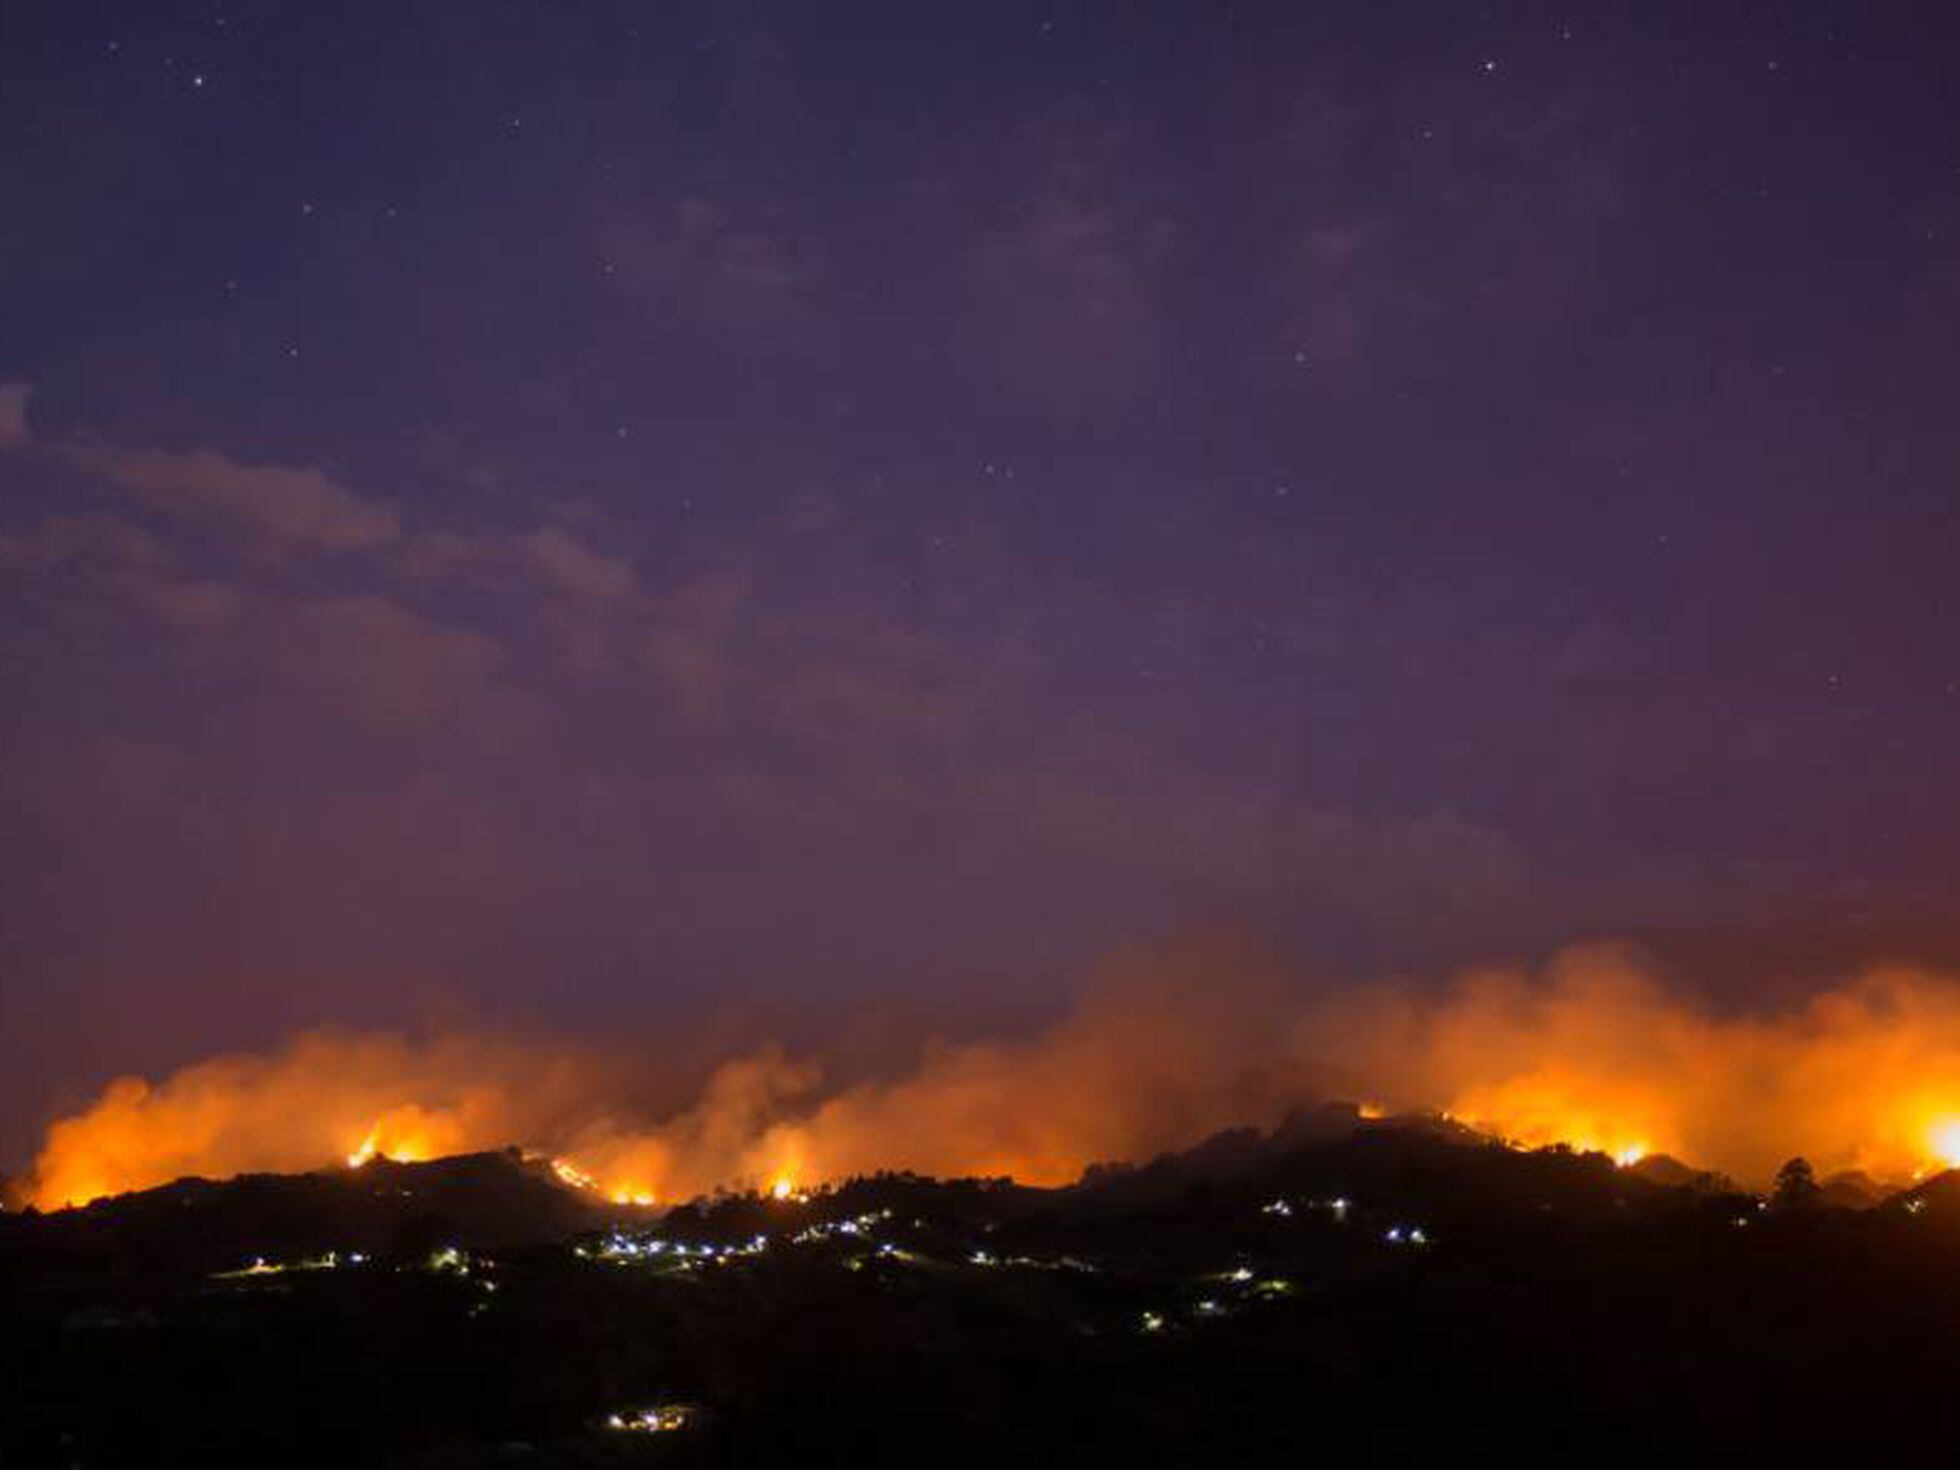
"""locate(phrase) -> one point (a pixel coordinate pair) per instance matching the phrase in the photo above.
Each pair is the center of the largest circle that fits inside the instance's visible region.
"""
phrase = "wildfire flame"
(407, 1135)
(1943, 1140)
(573, 1175)
(1593, 1053)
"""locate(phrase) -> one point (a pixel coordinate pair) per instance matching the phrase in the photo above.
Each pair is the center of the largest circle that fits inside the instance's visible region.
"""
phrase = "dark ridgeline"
(1389, 1294)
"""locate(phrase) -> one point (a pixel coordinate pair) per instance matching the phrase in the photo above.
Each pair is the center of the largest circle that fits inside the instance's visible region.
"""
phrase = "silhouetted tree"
(1796, 1186)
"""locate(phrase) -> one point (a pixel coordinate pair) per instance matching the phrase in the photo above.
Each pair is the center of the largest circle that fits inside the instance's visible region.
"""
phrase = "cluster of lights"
(449, 1260)
(660, 1419)
(621, 1248)
(260, 1266)
(1248, 1283)
(857, 1227)
(1338, 1207)
(1248, 1280)
(627, 1248)
(1033, 1263)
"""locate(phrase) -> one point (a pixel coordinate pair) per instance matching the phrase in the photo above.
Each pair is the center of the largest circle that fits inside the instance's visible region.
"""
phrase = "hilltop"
(1385, 1293)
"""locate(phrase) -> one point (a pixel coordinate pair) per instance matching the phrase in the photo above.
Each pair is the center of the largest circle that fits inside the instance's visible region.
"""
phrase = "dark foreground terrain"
(1335, 1294)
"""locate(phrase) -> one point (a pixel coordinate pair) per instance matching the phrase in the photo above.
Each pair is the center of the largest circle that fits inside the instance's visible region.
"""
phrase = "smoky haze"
(1593, 1049)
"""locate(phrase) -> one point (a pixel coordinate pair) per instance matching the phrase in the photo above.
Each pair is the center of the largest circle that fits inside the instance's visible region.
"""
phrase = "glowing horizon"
(1593, 1054)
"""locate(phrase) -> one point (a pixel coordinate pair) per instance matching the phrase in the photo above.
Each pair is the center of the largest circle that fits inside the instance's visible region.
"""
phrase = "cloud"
(112, 559)
(187, 606)
(570, 567)
(369, 654)
(90, 541)
(1067, 281)
(1344, 296)
(386, 662)
(873, 684)
(1399, 247)
(687, 645)
(727, 264)
(14, 430)
(1156, 817)
(888, 717)
(284, 509)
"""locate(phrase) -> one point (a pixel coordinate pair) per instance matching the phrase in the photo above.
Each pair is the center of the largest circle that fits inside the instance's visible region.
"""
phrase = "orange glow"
(1554, 1106)
(1944, 1140)
(620, 1192)
(408, 1135)
(1592, 1053)
(572, 1175)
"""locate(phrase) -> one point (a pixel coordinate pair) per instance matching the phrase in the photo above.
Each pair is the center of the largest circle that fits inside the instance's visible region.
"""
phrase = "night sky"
(590, 513)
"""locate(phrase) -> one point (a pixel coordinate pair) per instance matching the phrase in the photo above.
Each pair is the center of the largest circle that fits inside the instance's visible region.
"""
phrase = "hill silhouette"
(1379, 1292)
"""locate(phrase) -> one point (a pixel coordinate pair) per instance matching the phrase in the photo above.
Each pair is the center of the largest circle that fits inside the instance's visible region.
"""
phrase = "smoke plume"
(1592, 1051)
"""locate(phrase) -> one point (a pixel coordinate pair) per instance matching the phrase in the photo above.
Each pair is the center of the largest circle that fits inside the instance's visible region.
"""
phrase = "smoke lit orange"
(1592, 1053)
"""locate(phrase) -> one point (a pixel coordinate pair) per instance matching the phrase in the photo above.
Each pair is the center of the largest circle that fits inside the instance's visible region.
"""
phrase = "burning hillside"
(1593, 1052)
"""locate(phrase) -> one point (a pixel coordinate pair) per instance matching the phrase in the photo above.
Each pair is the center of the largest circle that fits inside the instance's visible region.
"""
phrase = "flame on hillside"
(409, 1134)
(1593, 1053)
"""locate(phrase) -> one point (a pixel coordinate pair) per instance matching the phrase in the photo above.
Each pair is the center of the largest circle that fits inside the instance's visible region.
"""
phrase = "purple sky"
(590, 513)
